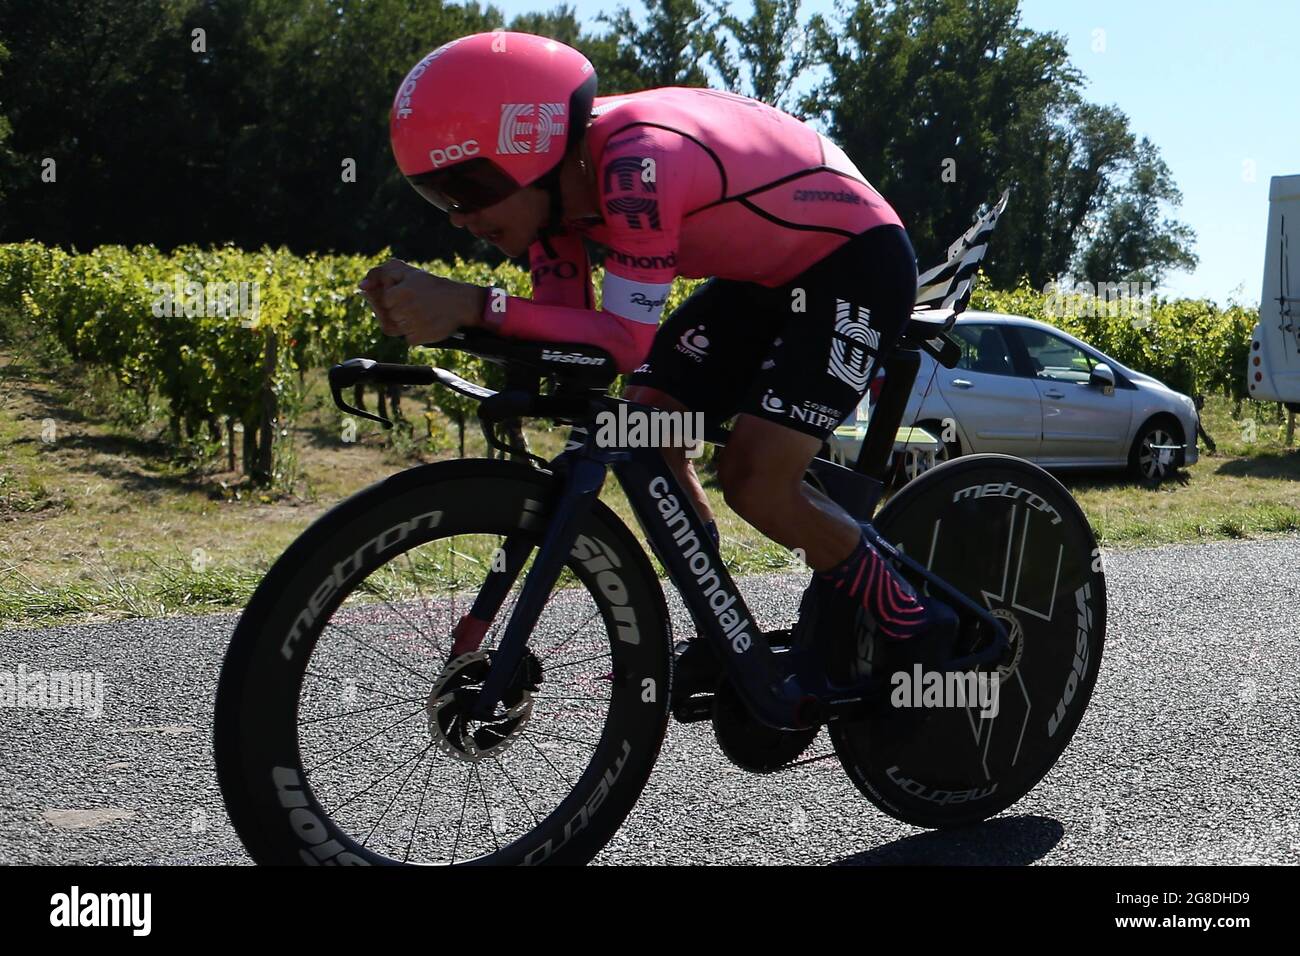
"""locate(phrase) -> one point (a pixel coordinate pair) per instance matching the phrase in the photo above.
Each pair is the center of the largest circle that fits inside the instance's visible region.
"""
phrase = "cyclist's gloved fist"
(419, 306)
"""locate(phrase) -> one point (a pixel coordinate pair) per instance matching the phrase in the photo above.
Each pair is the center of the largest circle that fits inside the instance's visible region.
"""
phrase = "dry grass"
(97, 520)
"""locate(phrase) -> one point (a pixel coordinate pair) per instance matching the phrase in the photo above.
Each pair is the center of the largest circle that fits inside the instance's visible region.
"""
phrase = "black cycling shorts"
(800, 354)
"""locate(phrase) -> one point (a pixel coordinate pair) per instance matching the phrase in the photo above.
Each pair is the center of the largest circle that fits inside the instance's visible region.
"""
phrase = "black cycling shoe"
(932, 647)
(826, 634)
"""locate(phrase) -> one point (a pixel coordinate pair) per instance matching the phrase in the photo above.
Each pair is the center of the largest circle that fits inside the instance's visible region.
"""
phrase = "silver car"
(1027, 389)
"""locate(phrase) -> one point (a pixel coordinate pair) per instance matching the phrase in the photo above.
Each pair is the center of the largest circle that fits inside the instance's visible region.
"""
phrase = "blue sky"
(1215, 84)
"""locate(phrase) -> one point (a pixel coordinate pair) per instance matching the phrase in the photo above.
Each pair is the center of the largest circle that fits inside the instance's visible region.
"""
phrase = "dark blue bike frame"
(678, 536)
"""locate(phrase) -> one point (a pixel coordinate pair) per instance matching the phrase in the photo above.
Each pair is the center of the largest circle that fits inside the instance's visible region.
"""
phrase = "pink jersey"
(695, 183)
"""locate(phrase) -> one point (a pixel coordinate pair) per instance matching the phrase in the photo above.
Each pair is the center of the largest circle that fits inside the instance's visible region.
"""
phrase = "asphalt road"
(1189, 753)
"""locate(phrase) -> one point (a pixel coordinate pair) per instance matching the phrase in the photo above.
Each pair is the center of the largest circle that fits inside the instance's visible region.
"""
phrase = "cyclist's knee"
(645, 395)
(750, 488)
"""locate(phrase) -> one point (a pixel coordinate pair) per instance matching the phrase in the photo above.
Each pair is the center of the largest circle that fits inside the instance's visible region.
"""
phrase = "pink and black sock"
(865, 577)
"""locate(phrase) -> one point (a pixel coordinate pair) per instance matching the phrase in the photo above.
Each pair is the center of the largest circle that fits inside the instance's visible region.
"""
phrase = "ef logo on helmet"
(529, 127)
(453, 153)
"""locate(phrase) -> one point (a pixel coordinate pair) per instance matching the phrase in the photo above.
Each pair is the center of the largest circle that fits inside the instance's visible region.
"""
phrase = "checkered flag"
(948, 286)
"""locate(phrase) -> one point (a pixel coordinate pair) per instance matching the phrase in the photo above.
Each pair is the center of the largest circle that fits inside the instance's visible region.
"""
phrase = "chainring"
(751, 745)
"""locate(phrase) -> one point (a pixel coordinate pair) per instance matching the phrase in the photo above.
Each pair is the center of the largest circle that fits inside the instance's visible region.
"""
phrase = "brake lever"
(359, 412)
(349, 373)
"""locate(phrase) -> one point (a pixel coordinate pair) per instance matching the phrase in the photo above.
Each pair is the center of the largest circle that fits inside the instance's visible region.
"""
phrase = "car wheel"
(947, 449)
(913, 464)
(1146, 461)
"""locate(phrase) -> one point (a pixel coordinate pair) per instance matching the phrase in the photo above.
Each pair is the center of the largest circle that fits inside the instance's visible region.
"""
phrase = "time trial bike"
(472, 660)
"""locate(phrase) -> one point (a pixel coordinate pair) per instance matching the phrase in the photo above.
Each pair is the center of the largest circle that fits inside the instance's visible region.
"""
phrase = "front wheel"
(1011, 538)
(343, 732)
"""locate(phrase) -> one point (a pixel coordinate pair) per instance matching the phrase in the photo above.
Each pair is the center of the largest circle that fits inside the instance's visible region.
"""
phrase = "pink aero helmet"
(485, 115)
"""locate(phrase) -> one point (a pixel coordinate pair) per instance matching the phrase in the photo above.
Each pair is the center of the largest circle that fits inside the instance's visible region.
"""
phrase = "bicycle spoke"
(378, 653)
(415, 824)
(433, 629)
(389, 604)
(378, 780)
(486, 812)
(455, 579)
(576, 740)
(339, 680)
(396, 795)
(511, 780)
(542, 754)
(557, 667)
(463, 804)
(366, 740)
(572, 634)
(363, 710)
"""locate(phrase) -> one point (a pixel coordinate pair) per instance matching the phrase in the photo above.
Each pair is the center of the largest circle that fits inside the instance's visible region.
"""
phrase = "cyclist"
(811, 272)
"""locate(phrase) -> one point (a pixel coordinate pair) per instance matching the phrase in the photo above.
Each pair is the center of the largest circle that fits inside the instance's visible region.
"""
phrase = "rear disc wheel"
(1012, 539)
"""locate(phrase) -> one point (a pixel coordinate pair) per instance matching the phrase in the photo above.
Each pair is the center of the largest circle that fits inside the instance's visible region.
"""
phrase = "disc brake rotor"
(454, 695)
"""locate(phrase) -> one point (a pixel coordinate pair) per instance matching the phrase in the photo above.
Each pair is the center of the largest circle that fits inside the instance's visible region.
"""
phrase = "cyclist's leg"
(762, 471)
(681, 466)
(702, 360)
(856, 302)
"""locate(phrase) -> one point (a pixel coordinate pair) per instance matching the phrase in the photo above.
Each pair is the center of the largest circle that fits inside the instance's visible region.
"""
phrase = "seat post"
(882, 430)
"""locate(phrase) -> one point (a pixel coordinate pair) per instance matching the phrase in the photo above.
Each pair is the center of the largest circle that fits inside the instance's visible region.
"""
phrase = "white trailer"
(1273, 369)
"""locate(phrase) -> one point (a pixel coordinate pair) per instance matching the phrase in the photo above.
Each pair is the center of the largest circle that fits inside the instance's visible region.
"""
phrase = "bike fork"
(469, 631)
(582, 483)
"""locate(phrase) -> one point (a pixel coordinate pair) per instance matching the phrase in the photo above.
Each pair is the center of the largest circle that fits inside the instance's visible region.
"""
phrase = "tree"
(8, 161)
(561, 24)
(771, 50)
(205, 121)
(1129, 239)
(75, 92)
(1060, 188)
(669, 51)
(943, 103)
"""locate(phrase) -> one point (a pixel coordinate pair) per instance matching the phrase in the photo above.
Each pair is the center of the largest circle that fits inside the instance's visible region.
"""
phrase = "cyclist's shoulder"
(651, 119)
(694, 112)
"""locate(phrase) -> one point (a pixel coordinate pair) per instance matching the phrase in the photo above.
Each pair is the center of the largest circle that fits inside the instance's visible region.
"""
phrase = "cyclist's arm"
(560, 310)
(628, 341)
(565, 278)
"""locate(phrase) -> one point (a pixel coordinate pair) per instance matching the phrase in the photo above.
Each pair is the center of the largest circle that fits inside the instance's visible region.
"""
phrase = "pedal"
(696, 669)
(691, 710)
